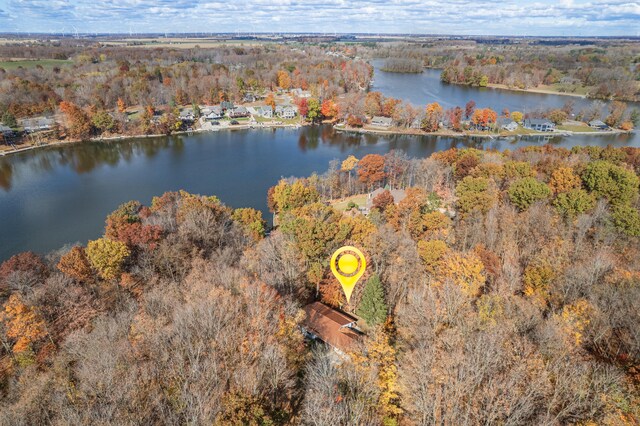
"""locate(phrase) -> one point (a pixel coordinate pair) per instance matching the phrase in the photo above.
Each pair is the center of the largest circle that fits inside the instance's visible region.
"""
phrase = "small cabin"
(333, 327)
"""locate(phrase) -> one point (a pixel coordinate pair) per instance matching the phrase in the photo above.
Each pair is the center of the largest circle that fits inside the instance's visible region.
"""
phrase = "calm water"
(59, 195)
(420, 89)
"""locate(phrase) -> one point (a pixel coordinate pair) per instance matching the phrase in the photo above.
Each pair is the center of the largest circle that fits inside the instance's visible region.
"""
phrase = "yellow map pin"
(346, 269)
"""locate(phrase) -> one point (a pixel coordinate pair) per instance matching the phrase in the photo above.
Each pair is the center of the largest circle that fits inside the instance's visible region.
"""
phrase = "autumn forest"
(501, 289)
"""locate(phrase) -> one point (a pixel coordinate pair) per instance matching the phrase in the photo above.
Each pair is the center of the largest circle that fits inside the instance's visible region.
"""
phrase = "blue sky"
(507, 17)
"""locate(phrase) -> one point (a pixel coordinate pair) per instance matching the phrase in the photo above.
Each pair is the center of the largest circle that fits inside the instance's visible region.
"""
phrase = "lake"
(57, 195)
(426, 87)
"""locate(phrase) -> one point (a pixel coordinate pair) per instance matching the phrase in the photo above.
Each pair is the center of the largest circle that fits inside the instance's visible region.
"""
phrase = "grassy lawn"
(576, 128)
(341, 205)
(45, 63)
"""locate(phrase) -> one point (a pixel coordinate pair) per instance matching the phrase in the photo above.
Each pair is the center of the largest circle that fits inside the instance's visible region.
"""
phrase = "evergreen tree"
(373, 308)
(9, 120)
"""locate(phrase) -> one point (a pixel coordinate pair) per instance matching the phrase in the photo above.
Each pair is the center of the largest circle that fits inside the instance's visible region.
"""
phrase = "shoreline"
(7, 153)
(339, 128)
(451, 134)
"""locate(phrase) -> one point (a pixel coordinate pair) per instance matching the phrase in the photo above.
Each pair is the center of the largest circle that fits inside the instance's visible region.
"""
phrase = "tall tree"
(372, 307)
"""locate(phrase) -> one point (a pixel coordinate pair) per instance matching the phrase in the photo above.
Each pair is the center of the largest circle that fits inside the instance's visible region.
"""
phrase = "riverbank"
(6, 150)
(489, 135)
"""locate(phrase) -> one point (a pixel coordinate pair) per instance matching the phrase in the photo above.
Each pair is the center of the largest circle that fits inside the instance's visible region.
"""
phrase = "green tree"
(251, 221)
(615, 183)
(526, 191)
(9, 120)
(484, 81)
(104, 122)
(574, 202)
(475, 193)
(314, 113)
(627, 220)
(373, 308)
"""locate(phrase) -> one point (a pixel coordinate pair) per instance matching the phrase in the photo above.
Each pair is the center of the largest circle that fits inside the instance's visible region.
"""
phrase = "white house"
(381, 121)
(507, 124)
(265, 111)
(286, 111)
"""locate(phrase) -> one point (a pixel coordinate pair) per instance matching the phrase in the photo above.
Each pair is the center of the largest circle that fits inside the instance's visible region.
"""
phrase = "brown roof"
(330, 325)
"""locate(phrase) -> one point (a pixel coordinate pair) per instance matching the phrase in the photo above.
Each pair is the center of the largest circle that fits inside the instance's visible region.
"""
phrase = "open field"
(28, 63)
(182, 43)
(341, 205)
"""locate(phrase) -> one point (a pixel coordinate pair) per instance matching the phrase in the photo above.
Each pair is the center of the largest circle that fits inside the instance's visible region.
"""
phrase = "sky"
(463, 17)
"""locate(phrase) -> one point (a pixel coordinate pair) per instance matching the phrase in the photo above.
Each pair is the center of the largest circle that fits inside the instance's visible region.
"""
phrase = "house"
(597, 124)
(417, 123)
(249, 97)
(507, 124)
(336, 329)
(5, 131)
(37, 124)
(540, 125)
(187, 115)
(238, 112)
(265, 111)
(286, 111)
(381, 121)
(212, 113)
(299, 93)
(397, 194)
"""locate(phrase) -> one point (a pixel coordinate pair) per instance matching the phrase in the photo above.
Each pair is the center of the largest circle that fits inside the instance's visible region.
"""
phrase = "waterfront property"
(507, 124)
(286, 111)
(37, 124)
(238, 112)
(539, 124)
(599, 125)
(265, 111)
(381, 121)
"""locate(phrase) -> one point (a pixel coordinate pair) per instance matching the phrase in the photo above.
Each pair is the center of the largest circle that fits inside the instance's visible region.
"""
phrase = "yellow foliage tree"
(23, 324)
(465, 270)
(107, 257)
(564, 179)
(517, 116)
(284, 80)
(349, 163)
(432, 252)
(576, 317)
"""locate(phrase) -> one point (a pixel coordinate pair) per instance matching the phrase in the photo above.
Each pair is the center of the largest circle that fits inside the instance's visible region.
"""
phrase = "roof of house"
(505, 121)
(597, 123)
(330, 325)
(38, 122)
(538, 121)
(382, 120)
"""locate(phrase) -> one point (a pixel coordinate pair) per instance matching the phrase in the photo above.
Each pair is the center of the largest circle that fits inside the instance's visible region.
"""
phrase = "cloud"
(541, 17)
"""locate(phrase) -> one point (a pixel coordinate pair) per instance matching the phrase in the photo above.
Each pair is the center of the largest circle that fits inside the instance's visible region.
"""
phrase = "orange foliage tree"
(284, 80)
(329, 108)
(432, 118)
(78, 122)
(371, 169)
(76, 265)
(23, 324)
(484, 117)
